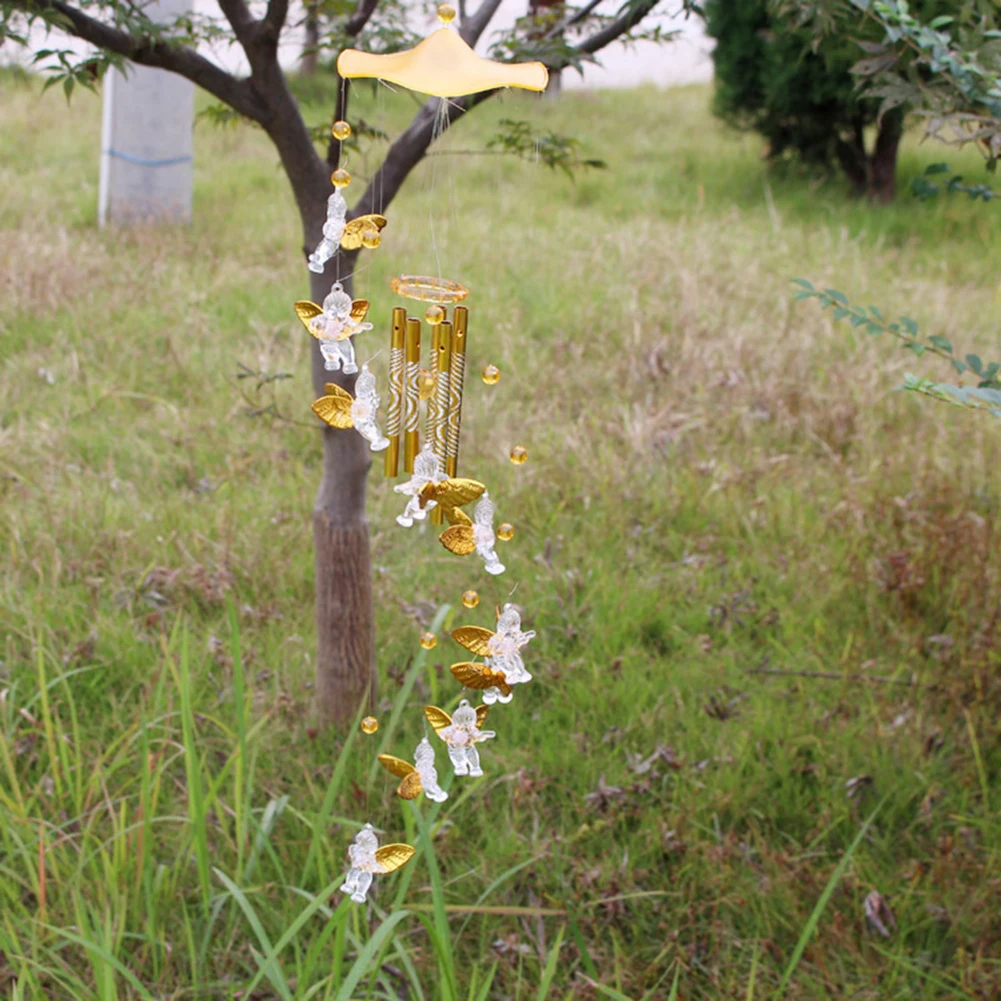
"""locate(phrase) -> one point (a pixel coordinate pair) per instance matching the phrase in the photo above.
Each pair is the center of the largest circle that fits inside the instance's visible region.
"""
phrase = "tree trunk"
(852, 157)
(310, 54)
(883, 162)
(345, 620)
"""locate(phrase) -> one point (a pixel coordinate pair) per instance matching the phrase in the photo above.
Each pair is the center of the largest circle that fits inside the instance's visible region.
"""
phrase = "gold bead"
(505, 531)
(340, 130)
(446, 13)
(369, 725)
(434, 314)
(429, 641)
(470, 599)
(426, 381)
(519, 454)
(491, 375)
(340, 178)
(371, 238)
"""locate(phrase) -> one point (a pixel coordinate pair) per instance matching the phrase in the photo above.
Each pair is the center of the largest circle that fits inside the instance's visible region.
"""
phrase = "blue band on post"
(142, 162)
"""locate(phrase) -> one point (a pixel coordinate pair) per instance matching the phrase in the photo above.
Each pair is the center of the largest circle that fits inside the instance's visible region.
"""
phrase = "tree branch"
(474, 25)
(274, 19)
(178, 59)
(615, 29)
(358, 20)
(239, 17)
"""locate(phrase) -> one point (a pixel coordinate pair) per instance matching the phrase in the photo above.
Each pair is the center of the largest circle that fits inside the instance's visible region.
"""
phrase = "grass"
(720, 484)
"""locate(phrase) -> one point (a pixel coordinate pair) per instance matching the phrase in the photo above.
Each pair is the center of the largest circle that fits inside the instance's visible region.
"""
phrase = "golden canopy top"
(442, 65)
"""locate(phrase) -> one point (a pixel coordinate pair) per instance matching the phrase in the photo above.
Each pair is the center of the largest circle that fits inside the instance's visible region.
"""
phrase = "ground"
(765, 694)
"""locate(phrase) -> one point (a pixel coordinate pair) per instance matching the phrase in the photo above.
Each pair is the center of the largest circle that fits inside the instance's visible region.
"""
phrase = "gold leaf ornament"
(459, 539)
(393, 857)
(476, 639)
(480, 677)
(356, 228)
(335, 408)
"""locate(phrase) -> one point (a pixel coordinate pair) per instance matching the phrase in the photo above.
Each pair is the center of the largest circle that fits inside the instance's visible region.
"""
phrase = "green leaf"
(808, 285)
(840, 313)
(837, 296)
(942, 343)
(910, 325)
(873, 328)
(976, 365)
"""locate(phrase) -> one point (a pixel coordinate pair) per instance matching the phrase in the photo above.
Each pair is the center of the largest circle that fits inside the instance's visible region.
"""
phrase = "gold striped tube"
(411, 397)
(457, 375)
(438, 413)
(394, 411)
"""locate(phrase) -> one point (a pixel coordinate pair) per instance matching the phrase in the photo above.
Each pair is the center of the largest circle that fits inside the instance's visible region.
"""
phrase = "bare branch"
(616, 29)
(274, 19)
(239, 17)
(176, 58)
(574, 18)
(474, 25)
(358, 20)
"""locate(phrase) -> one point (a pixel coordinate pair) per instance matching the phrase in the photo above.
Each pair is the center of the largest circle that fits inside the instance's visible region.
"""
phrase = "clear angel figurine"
(419, 777)
(427, 470)
(333, 230)
(369, 860)
(340, 409)
(503, 666)
(364, 409)
(461, 733)
(334, 324)
(477, 535)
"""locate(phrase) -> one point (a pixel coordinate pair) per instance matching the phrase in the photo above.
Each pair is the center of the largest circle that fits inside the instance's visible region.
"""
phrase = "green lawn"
(720, 484)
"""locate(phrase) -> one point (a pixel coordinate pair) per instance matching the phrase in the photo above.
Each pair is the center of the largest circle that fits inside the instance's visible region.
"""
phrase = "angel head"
(366, 840)
(337, 301)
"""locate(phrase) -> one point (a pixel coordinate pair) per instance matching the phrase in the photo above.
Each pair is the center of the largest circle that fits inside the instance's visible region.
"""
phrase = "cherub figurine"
(428, 487)
(333, 230)
(427, 470)
(334, 324)
(340, 409)
(477, 535)
(415, 780)
(461, 733)
(503, 666)
(368, 860)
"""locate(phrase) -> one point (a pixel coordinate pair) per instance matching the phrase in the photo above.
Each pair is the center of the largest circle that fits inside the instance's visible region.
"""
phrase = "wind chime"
(444, 66)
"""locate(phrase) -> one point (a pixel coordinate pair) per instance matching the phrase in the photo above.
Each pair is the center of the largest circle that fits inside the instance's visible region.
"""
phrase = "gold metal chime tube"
(457, 374)
(411, 399)
(394, 412)
(437, 422)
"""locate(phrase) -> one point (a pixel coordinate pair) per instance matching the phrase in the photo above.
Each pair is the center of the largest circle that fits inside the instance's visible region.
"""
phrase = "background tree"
(776, 75)
(120, 31)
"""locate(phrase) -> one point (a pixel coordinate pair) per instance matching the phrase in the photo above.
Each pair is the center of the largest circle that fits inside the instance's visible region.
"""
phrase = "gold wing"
(307, 311)
(475, 639)
(454, 492)
(458, 539)
(410, 787)
(332, 389)
(393, 857)
(359, 309)
(456, 516)
(479, 676)
(481, 716)
(396, 766)
(335, 409)
(351, 238)
(438, 718)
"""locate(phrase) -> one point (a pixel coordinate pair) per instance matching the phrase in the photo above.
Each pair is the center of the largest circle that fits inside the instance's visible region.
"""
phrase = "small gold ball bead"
(446, 13)
(491, 375)
(426, 381)
(429, 641)
(340, 178)
(434, 314)
(470, 599)
(369, 725)
(519, 454)
(505, 531)
(340, 130)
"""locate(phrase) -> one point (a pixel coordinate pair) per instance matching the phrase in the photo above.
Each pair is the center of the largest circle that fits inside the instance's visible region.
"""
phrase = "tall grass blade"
(550, 969)
(814, 920)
